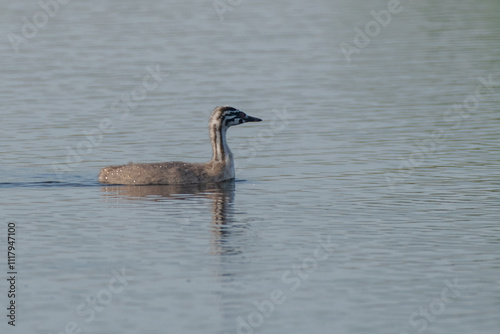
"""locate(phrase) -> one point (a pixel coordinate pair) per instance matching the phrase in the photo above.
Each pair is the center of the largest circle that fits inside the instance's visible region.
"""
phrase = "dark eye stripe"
(226, 122)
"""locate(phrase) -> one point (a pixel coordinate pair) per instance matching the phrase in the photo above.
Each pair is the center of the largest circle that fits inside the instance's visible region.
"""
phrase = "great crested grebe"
(220, 168)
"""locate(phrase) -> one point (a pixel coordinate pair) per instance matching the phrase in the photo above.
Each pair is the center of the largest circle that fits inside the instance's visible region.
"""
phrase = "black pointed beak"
(251, 119)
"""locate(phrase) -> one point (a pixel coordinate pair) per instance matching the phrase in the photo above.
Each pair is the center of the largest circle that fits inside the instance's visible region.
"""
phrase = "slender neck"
(220, 150)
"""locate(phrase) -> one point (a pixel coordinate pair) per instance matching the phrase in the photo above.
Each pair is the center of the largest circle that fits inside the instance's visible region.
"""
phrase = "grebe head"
(227, 116)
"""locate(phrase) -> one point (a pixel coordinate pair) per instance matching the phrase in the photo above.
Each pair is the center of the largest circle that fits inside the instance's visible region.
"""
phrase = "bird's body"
(174, 172)
(219, 168)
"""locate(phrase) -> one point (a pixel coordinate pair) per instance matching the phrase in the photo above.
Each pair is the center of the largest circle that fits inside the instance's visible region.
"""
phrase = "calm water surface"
(367, 202)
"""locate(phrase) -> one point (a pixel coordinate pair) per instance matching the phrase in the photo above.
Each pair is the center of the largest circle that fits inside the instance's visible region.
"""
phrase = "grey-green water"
(367, 202)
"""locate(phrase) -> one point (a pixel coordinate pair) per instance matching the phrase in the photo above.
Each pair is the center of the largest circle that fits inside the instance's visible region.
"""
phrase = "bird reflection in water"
(223, 224)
